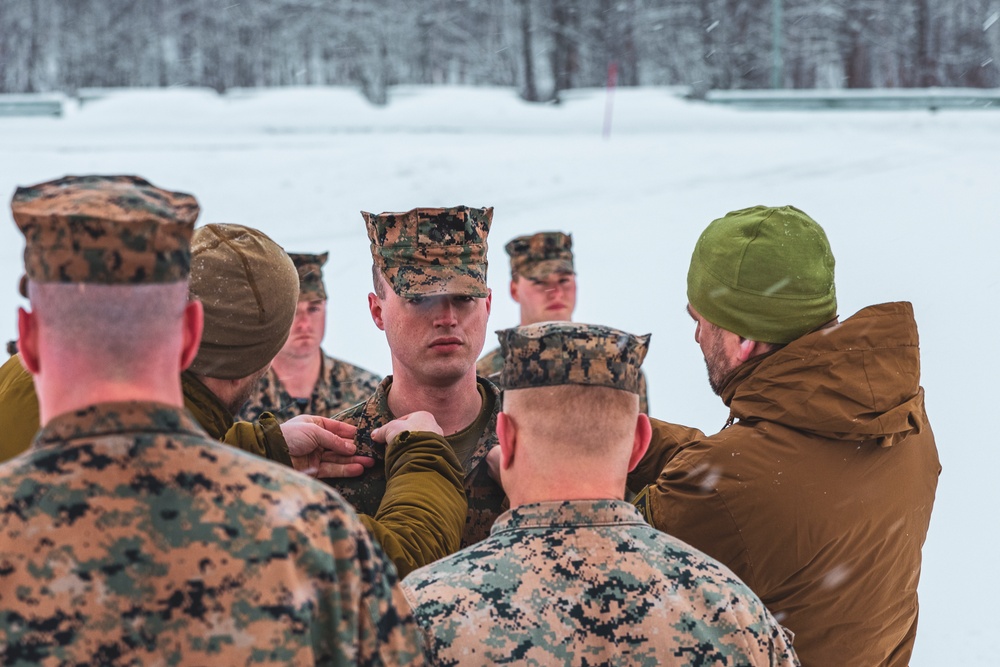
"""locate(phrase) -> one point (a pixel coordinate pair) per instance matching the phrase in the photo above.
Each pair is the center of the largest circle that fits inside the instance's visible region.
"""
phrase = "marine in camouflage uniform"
(583, 582)
(339, 384)
(423, 253)
(540, 258)
(128, 536)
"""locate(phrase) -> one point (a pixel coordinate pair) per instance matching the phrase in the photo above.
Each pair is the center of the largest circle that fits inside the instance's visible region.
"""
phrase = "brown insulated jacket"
(820, 494)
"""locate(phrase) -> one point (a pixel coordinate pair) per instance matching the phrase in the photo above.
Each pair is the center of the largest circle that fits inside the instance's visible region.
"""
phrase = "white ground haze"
(908, 200)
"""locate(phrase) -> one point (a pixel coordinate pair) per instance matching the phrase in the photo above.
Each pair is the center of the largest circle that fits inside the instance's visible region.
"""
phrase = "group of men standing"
(135, 531)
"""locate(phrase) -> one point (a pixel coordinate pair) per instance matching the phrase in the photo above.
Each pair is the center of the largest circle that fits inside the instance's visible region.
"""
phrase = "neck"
(299, 374)
(454, 406)
(232, 393)
(534, 479)
(64, 391)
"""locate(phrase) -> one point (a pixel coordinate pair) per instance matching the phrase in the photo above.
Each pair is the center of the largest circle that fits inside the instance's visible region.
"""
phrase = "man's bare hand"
(323, 447)
(415, 421)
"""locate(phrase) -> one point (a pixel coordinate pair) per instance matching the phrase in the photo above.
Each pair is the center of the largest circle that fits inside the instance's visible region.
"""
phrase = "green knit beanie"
(764, 273)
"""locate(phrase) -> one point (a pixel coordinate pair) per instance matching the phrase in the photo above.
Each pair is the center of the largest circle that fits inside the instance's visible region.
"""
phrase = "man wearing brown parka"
(818, 491)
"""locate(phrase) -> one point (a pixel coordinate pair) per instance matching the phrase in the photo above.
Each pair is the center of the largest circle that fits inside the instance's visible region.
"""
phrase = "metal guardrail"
(47, 104)
(860, 99)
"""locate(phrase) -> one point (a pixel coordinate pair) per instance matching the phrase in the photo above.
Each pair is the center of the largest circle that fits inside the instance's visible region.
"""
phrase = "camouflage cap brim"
(560, 353)
(543, 269)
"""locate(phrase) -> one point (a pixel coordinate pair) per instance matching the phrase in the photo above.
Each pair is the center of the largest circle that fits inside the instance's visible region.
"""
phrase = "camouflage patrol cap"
(104, 229)
(556, 353)
(541, 254)
(430, 251)
(310, 268)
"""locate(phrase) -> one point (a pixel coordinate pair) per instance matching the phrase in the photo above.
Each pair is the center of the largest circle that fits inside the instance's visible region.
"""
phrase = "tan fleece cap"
(249, 288)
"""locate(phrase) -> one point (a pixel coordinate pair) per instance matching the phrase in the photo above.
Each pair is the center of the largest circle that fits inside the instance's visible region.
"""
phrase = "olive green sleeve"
(18, 409)
(668, 439)
(262, 437)
(422, 513)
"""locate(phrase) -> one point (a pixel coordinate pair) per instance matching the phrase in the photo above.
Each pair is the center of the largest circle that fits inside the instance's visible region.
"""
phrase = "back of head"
(106, 263)
(764, 273)
(249, 287)
(539, 255)
(573, 386)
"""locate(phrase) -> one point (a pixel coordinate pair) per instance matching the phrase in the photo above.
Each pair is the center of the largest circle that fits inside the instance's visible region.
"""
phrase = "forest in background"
(540, 47)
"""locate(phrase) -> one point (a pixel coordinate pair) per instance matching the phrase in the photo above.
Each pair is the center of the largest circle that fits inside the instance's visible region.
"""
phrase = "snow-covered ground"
(908, 199)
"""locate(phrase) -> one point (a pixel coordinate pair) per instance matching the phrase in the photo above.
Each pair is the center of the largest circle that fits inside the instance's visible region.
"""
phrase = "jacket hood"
(855, 381)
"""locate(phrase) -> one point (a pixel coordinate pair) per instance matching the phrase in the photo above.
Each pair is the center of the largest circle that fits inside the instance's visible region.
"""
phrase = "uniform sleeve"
(364, 618)
(422, 513)
(18, 408)
(262, 437)
(668, 439)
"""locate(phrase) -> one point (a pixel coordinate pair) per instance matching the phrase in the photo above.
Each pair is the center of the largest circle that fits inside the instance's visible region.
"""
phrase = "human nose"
(445, 315)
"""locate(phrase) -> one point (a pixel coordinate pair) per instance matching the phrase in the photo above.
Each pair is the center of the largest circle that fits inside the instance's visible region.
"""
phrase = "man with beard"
(818, 490)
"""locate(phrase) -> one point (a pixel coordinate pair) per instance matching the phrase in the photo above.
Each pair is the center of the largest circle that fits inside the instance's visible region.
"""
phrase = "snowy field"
(908, 199)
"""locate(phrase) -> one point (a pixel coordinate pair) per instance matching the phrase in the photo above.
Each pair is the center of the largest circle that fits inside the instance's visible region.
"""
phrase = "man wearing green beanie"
(818, 490)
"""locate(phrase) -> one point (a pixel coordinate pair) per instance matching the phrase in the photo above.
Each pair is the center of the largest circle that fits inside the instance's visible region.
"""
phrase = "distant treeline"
(541, 47)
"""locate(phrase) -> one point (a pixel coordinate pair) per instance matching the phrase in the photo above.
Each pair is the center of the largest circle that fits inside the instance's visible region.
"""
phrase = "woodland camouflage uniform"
(340, 386)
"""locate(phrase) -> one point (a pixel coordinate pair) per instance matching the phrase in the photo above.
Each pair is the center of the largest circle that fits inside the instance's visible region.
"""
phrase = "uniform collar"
(116, 418)
(568, 514)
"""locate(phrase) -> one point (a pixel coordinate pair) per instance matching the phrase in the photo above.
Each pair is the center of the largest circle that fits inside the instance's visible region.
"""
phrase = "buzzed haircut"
(114, 324)
(586, 416)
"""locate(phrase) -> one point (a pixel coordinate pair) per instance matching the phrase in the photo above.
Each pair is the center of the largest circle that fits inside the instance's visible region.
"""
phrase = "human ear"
(375, 308)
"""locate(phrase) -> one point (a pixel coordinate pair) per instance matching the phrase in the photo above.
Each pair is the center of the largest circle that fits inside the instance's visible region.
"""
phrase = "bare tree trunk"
(530, 90)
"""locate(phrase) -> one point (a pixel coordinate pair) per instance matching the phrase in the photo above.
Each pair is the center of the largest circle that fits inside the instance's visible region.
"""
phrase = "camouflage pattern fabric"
(104, 229)
(541, 254)
(429, 251)
(486, 498)
(340, 386)
(310, 268)
(491, 363)
(128, 537)
(558, 353)
(588, 582)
